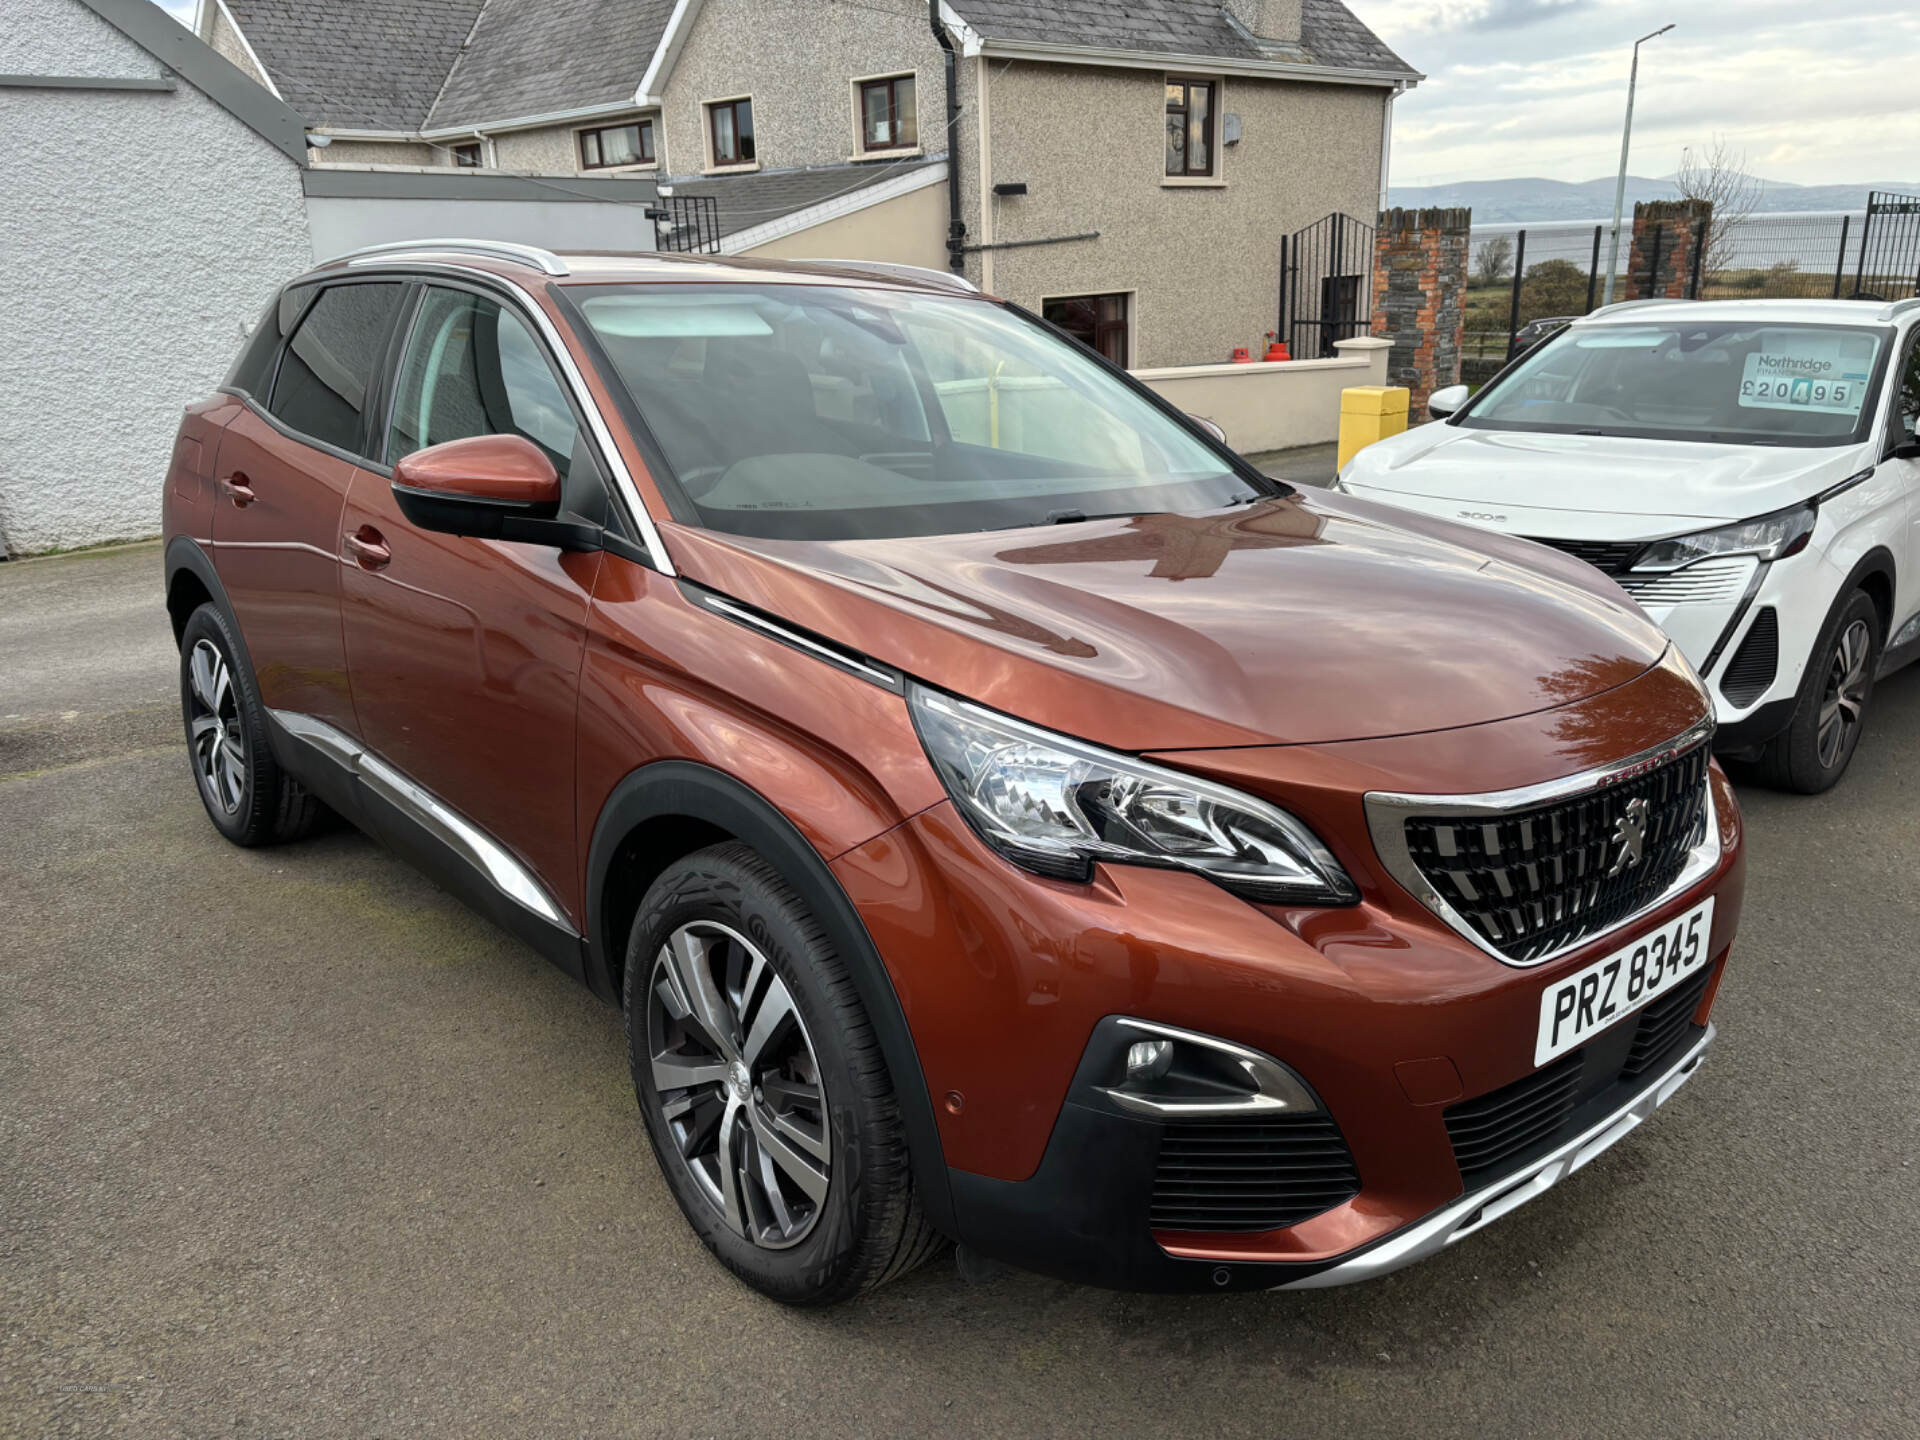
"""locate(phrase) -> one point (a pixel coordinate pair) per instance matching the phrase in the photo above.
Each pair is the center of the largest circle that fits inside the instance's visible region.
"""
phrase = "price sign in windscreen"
(1808, 370)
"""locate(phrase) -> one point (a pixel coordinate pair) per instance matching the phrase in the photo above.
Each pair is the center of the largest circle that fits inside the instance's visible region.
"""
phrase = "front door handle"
(369, 547)
(239, 489)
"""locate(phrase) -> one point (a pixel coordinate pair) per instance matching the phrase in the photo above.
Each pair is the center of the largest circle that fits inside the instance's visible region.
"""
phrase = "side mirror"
(1907, 449)
(495, 487)
(1446, 400)
(1207, 425)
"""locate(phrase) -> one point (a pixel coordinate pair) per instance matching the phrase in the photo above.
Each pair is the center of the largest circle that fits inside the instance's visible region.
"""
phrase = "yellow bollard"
(1369, 413)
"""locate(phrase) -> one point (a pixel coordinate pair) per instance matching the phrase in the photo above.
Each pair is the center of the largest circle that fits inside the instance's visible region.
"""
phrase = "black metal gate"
(1889, 263)
(689, 224)
(1326, 285)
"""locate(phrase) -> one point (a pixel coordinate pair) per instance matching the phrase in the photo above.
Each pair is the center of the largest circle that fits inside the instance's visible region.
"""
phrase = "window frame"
(1130, 323)
(1215, 173)
(646, 142)
(475, 148)
(860, 84)
(709, 109)
(379, 383)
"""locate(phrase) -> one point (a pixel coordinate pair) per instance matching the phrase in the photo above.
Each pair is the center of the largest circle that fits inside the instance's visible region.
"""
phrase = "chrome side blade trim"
(452, 829)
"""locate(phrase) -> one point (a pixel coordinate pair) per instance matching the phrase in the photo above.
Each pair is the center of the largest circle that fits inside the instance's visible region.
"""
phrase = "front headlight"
(1055, 805)
(1771, 537)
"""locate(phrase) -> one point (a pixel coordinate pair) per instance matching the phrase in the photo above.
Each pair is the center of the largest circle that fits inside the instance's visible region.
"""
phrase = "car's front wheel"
(1813, 752)
(765, 1095)
(248, 797)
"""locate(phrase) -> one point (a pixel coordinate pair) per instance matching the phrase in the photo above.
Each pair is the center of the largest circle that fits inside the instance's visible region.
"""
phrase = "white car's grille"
(1703, 583)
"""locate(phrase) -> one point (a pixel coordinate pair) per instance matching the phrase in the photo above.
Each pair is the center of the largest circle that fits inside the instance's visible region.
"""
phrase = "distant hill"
(1505, 201)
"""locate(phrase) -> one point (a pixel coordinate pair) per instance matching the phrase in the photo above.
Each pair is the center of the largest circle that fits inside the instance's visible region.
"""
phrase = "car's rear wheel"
(765, 1096)
(248, 797)
(1813, 752)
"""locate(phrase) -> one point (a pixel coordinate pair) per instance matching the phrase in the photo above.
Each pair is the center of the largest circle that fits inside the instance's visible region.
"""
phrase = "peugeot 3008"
(1001, 814)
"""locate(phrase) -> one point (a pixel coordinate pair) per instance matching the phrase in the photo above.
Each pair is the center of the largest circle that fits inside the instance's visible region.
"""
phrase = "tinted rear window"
(252, 373)
(330, 363)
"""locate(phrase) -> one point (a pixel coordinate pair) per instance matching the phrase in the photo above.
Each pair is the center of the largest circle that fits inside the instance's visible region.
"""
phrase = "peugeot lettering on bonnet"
(1002, 815)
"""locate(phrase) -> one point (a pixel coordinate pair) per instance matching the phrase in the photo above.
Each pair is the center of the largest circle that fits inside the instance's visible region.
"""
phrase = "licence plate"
(1574, 1010)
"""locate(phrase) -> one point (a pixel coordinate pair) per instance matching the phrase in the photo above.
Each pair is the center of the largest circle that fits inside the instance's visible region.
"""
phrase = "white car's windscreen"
(1734, 383)
(817, 412)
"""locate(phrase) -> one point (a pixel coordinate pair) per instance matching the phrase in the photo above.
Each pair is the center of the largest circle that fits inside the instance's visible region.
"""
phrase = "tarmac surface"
(293, 1144)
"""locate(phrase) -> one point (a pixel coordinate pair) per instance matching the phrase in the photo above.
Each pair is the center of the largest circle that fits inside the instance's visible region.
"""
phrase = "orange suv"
(1001, 813)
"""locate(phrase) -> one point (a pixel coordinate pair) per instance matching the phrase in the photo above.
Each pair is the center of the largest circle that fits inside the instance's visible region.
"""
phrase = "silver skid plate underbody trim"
(1480, 1208)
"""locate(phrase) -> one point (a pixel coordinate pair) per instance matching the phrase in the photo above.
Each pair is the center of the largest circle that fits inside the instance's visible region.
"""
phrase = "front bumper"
(1480, 1208)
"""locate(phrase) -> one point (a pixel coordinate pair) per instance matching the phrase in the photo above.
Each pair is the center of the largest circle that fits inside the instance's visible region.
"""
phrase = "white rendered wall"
(140, 233)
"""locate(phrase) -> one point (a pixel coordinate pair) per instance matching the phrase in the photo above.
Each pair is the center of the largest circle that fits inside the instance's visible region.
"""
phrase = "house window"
(629, 144)
(1097, 321)
(468, 156)
(1190, 127)
(887, 119)
(730, 131)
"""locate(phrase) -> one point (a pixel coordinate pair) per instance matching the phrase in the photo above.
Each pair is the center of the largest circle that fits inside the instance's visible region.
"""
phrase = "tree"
(1495, 260)
(1718, 176)
(1553, 287)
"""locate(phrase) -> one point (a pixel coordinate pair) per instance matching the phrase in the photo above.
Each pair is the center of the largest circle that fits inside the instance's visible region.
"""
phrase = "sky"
(1813, 93)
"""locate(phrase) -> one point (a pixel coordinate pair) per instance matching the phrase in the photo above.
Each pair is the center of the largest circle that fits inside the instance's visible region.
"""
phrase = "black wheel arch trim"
(670, 788)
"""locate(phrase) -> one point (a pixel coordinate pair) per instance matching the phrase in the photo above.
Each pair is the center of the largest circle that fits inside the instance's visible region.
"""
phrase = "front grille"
(1662, 1024)
(1490, 1131)
(1607, 556)
(1752, 668)
(1251, 1175)
(1534, 882)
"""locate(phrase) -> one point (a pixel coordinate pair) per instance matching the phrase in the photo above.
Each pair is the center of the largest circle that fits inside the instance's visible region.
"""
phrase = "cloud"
(1538, 87)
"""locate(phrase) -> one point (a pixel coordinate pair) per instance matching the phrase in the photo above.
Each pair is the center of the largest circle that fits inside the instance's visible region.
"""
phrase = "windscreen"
(1735, 383)
(823, 413)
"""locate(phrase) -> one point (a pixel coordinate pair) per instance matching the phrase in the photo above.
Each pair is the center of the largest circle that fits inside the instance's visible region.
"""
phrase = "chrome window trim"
(1388, 813)
(1478, 1209)
(454, 830)
(530, 310)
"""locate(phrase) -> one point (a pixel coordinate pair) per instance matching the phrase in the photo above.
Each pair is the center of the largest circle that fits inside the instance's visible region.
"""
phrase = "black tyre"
(769, 1106)
(248, 798)
(1813, 752)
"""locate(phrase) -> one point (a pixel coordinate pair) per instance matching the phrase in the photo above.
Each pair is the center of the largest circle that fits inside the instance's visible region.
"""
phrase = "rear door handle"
(239, 489)
(369, 547)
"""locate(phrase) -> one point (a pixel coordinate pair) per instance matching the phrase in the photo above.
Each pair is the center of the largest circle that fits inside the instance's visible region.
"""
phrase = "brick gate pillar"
(1660, 260)
(1419, 296)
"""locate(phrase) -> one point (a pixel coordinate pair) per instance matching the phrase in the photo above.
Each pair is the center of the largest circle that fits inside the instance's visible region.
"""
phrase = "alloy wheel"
(739, 1083)
(1844, 703)
(214, 729)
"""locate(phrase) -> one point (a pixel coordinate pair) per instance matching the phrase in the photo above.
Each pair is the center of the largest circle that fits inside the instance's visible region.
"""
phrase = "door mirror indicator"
(492, 487)
(1446, 400)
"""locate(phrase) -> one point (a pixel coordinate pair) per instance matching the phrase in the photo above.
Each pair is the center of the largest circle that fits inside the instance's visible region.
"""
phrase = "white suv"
(1748, 470)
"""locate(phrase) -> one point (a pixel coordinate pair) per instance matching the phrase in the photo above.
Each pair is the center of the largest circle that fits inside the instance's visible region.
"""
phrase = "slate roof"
(358, 64)
(412, 65)
(537, 57)
(1330, 34)
(744, 201)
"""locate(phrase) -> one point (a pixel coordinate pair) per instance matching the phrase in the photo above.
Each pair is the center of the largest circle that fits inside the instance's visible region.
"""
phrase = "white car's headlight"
(1055, 805)
(1770, 537)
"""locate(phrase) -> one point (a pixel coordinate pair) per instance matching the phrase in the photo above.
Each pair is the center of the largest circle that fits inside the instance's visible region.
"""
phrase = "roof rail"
(926, 274)
(532, 256)
(1619, 305)
(1899, 307)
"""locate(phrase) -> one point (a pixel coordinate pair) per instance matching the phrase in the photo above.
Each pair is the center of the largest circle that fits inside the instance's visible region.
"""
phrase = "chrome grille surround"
(1388, 814)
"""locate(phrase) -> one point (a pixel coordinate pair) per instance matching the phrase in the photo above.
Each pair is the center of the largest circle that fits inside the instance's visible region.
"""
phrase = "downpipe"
(956, 230)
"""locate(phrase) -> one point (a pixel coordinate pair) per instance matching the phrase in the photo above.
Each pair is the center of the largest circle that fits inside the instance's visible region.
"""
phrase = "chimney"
(1274, 23)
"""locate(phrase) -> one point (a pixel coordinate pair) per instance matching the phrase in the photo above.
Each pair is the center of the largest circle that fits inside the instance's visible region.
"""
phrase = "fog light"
(1149, 1059)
